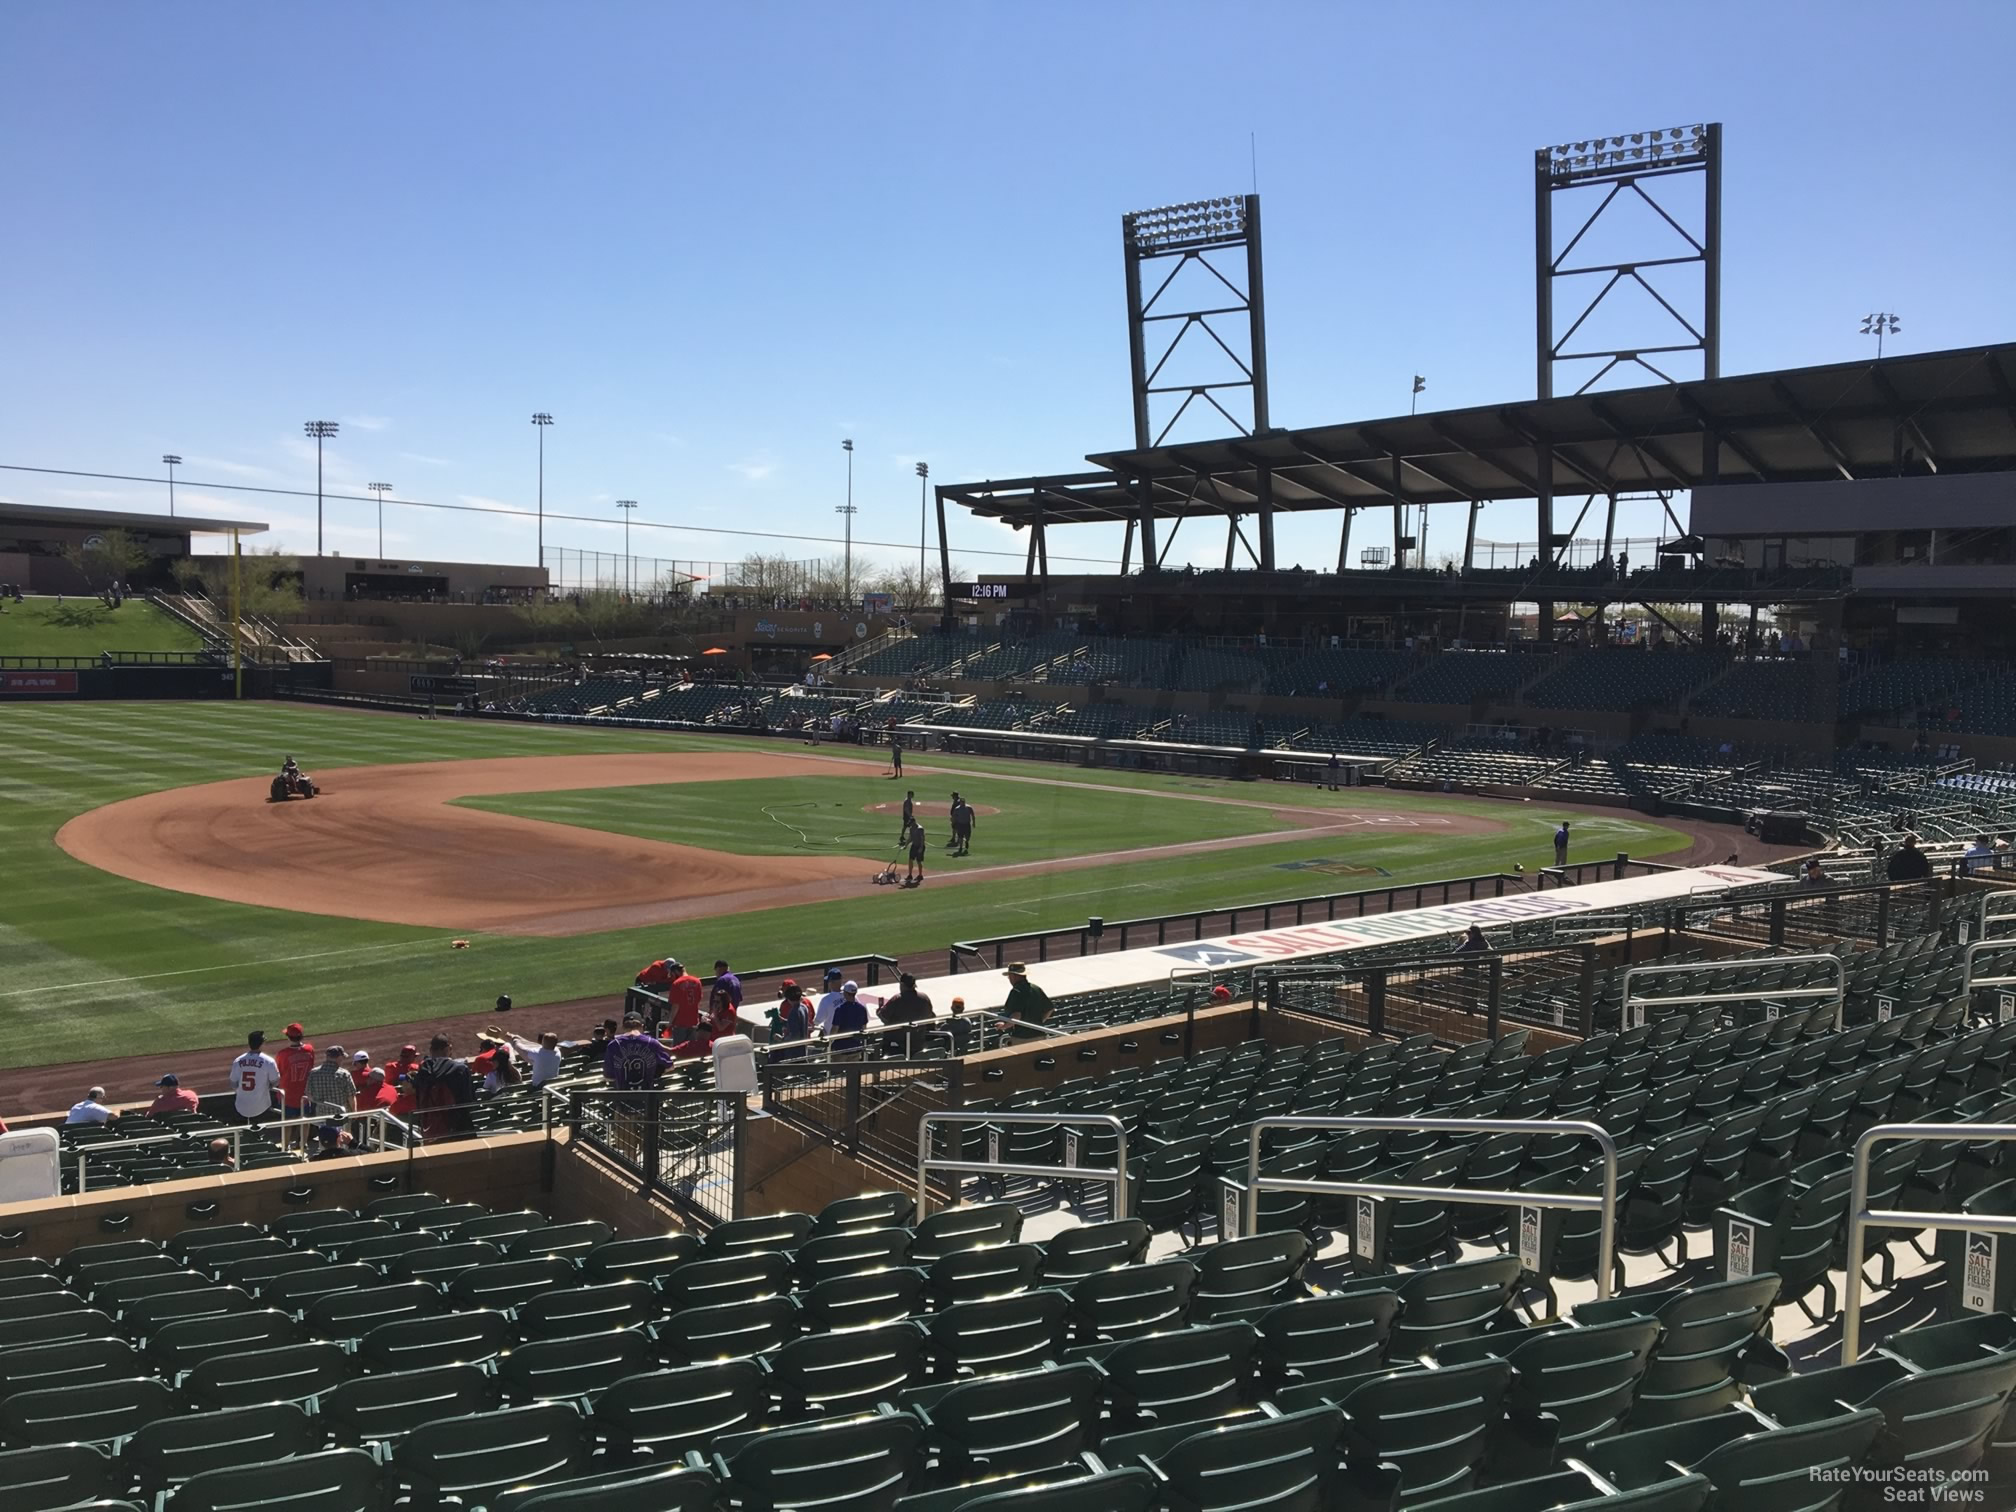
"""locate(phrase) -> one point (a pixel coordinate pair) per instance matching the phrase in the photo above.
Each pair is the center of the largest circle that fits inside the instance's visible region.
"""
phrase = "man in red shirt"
(295, 1059)
(683, 993)
(404, 1063)
(372, 1092)
(171, 1098)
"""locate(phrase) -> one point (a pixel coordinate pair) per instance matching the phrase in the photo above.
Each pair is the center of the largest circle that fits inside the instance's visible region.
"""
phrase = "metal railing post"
(1605, 1205)
(1838, 992)
(1861, 1218)
(927, 1162)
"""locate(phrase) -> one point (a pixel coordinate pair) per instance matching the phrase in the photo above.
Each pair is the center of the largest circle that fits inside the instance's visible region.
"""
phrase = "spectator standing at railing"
(375, 1091)
(829, 1002)
(543, 1060)
(331, 1088)
(635, 1060)
(1027, 1003)
(790, 1023)
(443, 1091)
(295, 1059)
(849, 1019)
(92, 1110)
(254, 1079)
(682, 996)
(908, 1006)
(728, 981)
(1908, 863)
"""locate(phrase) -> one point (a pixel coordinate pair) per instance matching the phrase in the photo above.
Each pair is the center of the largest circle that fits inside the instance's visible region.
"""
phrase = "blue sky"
(714, 240)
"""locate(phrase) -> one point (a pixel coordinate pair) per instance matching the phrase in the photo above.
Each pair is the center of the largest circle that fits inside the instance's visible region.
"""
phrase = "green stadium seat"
(473, 1458)
(500, 1229)
(1009, 1424)
(1710, 1334)
(1126, 1302)
(849, 1253)
(1577, 1491)
(1241, 1278)
(1280, 1463)
(441, 1263)
(99, 1414)
(641, 1488)
(1062, 1490)
(987, 1270)
(570, 1241)
(170, 1450)
(666, 1413)
(42, 1304)
(1182, 1377)
(410, 1343)
(1585, 1378)
(577, 1366)
(349, 1315)
(882, 1296)
(745, 1276)
(60, 1328)
(1322, 1338)
(1935, 1422)
(338, 1480)
(75, 1364)
(867, 1210)
(384, 1407)
(1415, 1433)
(1079, 1252)
(998, 1335)
(729, 1331)
(1753, 1466)
(56, 1475)
(178, 1347)
(854, 1465)
(779, 1231)
(567, 1310)
(957, 1228)
(831, 1375)
(402, 1206)
(638, 1259)
(296, 1373)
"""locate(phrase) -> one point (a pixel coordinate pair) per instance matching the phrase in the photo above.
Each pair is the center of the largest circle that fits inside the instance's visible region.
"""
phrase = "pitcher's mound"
(923, 809)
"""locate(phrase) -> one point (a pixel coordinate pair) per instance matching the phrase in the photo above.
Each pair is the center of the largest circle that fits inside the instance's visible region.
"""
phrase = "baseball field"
(152, 899)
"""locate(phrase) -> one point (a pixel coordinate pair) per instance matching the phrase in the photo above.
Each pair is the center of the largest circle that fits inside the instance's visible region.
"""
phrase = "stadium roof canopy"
(20, 516)
(1952, 411)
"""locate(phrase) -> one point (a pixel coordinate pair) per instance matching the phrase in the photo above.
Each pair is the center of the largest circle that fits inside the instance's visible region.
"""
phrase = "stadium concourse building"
(34, 538)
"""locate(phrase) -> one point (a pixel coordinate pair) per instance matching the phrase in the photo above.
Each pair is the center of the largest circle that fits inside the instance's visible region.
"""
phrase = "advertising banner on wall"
(38, 682)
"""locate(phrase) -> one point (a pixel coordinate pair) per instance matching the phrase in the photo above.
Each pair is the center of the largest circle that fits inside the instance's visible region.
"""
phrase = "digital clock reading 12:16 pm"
(980, 590)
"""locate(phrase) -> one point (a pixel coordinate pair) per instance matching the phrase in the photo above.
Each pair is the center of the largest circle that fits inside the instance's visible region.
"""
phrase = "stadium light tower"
(542, 420)
(846, 512)
(923, 488)
(173, 462)
(320, 431)
(629, 563)
(1880, 325)
(380, 489)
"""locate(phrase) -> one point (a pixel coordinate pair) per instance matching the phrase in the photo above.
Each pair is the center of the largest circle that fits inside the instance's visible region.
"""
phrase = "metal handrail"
(1973, 950)
(1605, 1205)
(234, 1133)
(927, 1162)
(1838, 992)
(1861, 1218)
(382, 1117)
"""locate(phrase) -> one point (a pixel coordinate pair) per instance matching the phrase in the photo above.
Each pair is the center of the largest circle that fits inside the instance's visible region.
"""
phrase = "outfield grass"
(826, 816)
(85, 627)
(161, 970)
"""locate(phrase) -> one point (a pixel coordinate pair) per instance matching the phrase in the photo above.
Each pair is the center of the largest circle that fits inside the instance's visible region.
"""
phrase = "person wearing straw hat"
(1027, 1003)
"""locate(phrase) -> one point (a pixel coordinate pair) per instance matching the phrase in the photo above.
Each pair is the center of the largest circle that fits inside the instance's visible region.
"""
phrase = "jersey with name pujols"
(253, 1078)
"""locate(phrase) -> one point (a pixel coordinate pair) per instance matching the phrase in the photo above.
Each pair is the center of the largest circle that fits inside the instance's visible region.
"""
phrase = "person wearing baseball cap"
(404, 1063)
(171, 1098)
(295, 1059)
(1221, 994)
(360, 1062)
(790, 1022)
(331, 1088)
(848, 1020)
(683, 996)
(822, 1017)
(1027, 1003)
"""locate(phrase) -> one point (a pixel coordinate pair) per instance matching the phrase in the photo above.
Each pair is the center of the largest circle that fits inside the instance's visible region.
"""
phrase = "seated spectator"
(330, 1141)
(1814, 875)
(403, 1064)
(1980, 856)
(220, 1155)
(1220, 994)
(503, 1073)
(92, 1110)
(1473, 942)
(171, 1098)
(542, 1060)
